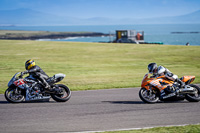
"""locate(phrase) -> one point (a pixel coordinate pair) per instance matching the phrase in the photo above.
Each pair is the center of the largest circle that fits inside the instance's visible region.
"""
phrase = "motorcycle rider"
(165, 73)
(36, 72)
(153, 69)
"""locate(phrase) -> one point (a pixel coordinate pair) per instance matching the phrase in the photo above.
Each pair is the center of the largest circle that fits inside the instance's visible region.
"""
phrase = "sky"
(106, 8)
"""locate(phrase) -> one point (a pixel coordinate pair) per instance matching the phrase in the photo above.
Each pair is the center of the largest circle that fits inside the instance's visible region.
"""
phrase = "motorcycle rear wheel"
(147, 96)
(193, 97)
(14, 96)
(64, 95)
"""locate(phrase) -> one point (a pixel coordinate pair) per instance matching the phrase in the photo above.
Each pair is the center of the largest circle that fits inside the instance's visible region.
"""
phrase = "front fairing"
(14, 78)
(146, 80)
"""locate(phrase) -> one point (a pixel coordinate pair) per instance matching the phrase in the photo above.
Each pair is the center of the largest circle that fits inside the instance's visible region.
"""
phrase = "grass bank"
(96, 65)
(175, 129)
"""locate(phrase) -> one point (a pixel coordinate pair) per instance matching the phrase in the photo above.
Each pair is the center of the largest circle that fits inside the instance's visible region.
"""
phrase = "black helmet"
(152, 67)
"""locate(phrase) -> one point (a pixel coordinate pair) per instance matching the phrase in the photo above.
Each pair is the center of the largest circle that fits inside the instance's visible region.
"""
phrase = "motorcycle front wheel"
(147, 96)
(14, 95)
(63, 95)
(193, 97)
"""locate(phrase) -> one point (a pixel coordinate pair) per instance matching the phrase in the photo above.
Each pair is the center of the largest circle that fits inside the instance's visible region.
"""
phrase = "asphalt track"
(99, 110)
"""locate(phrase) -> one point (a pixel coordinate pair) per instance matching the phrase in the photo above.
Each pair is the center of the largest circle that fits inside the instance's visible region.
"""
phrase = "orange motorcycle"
(150, 92)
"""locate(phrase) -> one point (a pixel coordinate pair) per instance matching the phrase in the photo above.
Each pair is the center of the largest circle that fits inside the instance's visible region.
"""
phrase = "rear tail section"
(187, 79)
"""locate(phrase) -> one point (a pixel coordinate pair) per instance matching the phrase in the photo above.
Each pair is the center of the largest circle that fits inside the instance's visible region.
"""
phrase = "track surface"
(95, 111)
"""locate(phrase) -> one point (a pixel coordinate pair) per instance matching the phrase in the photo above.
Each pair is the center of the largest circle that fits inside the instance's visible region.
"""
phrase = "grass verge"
(175, 129)
(96, 65)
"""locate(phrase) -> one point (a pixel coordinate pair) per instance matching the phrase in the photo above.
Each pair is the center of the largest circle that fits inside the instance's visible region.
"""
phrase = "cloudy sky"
(106, 8)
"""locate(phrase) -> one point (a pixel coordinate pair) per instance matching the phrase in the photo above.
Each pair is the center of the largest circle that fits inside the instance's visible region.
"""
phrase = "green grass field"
(96, 65)
(175, 129)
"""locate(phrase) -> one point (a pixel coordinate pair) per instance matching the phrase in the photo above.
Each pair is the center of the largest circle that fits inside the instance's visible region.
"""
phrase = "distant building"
(129, 36)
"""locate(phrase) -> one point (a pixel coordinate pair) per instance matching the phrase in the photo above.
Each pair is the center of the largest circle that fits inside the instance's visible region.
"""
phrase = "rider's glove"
(25, 72)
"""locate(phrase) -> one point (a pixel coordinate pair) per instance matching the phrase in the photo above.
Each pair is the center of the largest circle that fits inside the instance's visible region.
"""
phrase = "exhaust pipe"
(187, 89)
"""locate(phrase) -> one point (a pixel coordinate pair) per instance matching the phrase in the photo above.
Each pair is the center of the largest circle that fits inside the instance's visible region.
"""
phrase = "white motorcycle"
(31, 89)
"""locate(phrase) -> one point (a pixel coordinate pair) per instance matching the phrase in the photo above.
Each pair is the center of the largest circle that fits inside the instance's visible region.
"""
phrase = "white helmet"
(161, 69)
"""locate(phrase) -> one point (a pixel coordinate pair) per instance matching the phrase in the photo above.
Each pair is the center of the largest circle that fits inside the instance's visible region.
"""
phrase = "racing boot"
(46, 85)
(182, 84)
(48, 88)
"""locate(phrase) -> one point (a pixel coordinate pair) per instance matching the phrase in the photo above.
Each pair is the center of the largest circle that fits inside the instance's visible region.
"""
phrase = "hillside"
(33, 35)
(28, 17)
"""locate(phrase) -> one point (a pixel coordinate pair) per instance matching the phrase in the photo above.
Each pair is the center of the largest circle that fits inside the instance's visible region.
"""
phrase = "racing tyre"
(147, 96)
(13, 95)
(193, 97)
(63, 95)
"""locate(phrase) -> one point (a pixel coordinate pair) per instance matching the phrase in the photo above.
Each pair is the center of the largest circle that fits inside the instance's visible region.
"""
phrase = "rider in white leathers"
(160, 71)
